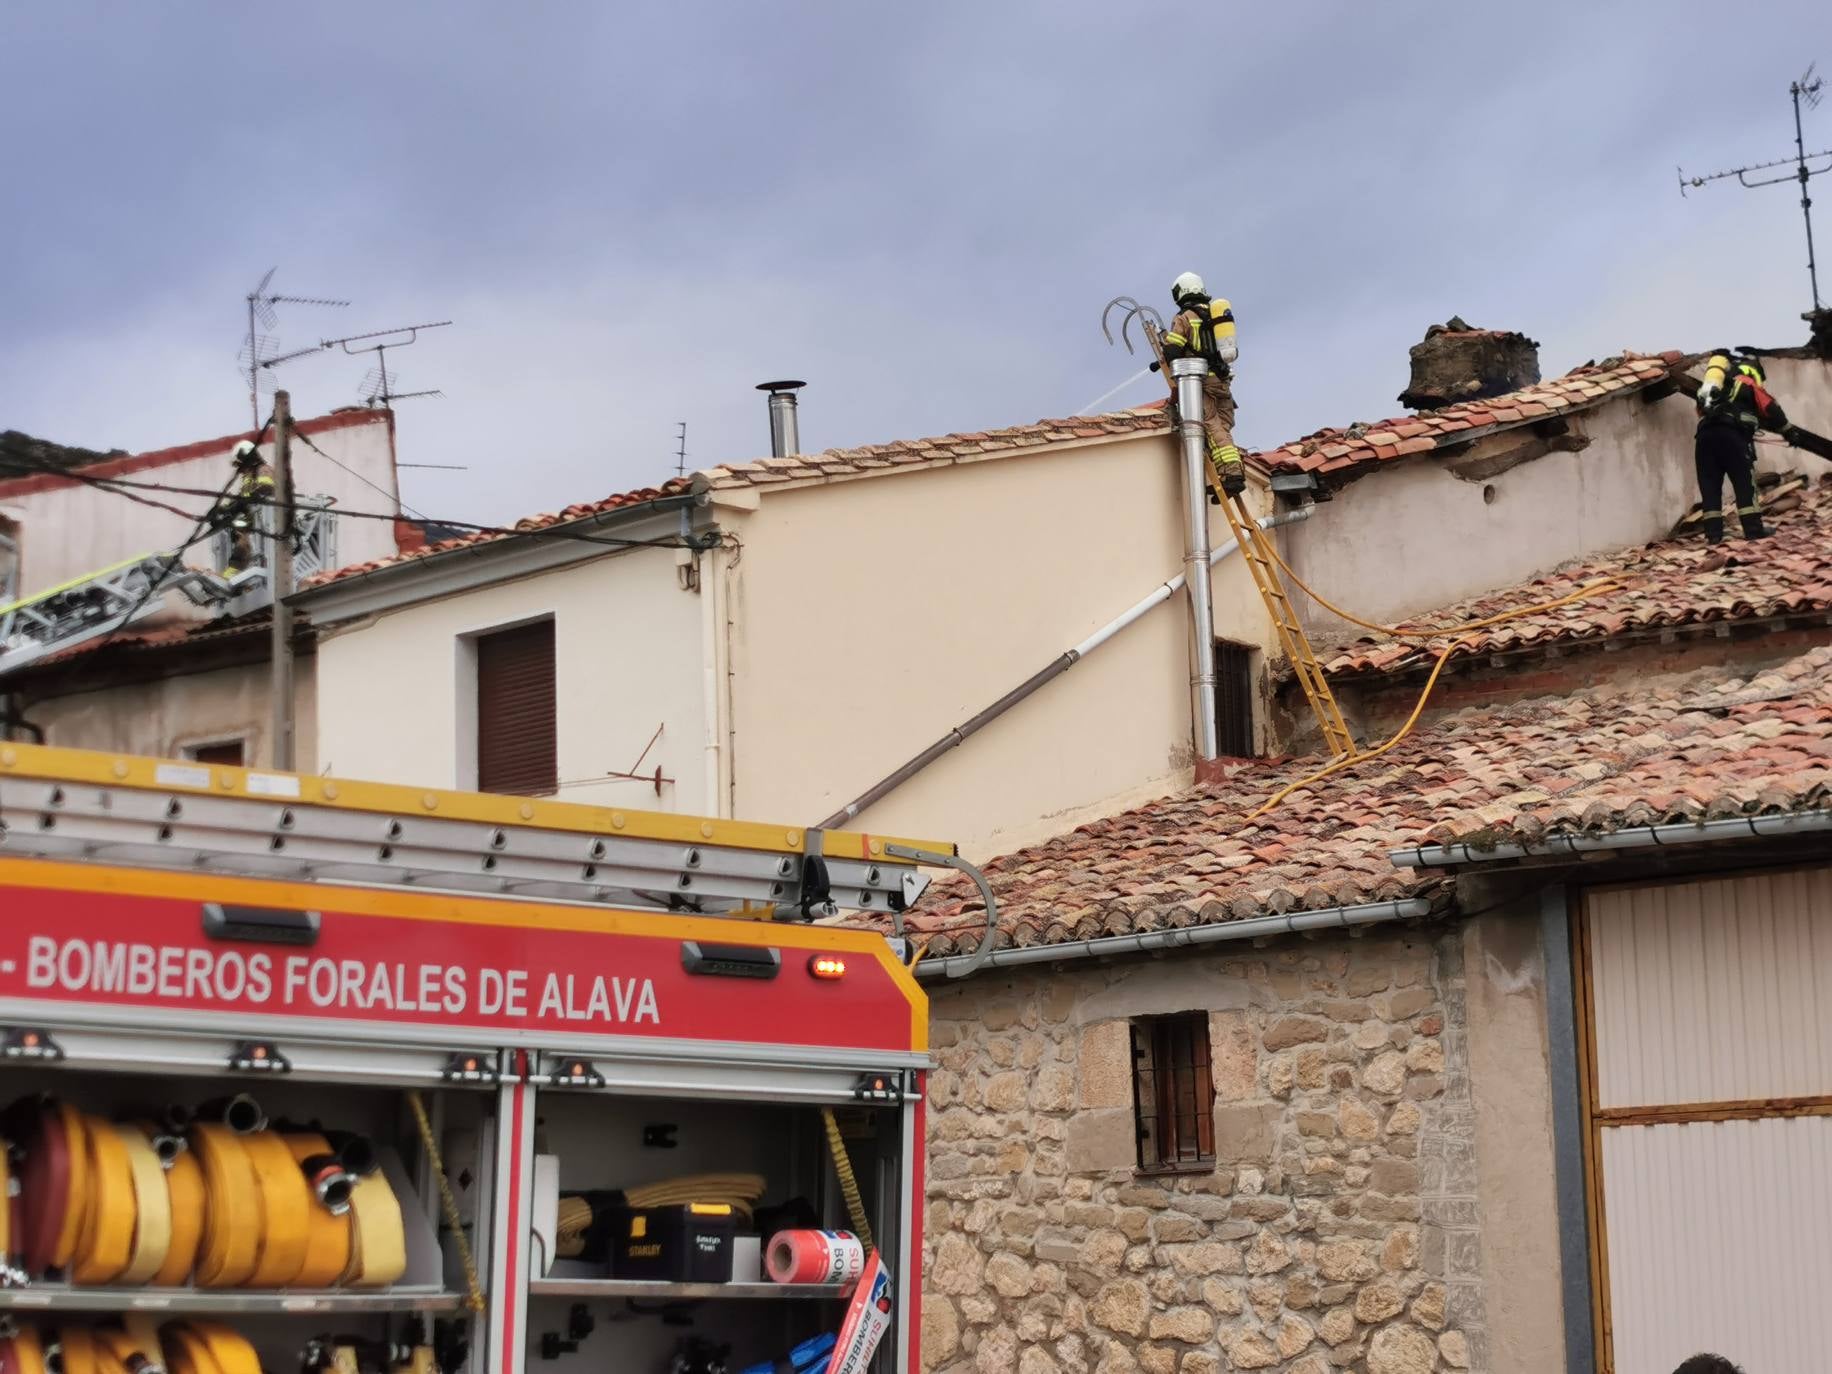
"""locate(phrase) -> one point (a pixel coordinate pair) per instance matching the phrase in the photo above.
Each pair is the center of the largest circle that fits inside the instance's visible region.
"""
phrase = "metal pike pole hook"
(1151, 323)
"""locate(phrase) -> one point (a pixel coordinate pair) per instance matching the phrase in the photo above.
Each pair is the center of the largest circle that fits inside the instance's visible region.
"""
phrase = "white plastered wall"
(870, 616)
(397, 702)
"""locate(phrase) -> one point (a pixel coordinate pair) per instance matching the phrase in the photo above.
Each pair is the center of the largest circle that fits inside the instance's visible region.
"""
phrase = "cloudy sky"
(634, 212)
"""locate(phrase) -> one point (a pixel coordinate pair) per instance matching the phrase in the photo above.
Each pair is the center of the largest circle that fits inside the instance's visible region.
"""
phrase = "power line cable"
(123, 487)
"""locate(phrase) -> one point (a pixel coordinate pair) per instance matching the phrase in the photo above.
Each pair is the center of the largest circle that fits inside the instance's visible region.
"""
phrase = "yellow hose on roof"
(1588, 590)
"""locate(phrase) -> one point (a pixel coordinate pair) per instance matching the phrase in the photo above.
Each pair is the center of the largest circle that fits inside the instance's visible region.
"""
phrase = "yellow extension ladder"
(1256, 548)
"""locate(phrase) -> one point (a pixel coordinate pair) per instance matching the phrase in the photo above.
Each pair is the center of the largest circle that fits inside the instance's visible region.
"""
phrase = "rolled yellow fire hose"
(231, 1244)
(152, 1207)
(286, 1206)
(184, 1182)
(105, 1241)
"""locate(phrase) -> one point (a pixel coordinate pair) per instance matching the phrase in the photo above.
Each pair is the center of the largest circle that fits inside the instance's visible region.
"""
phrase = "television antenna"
(680, 451)
(261, 351)
(378, 384)
(1809, 88)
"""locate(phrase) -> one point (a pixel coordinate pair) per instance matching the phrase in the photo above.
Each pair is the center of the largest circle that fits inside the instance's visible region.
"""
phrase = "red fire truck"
(350, 1076)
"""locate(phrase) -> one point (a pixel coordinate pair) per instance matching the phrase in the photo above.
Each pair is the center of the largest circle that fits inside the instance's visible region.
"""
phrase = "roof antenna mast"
(377, 386)
(1808, 88)
(260, 351)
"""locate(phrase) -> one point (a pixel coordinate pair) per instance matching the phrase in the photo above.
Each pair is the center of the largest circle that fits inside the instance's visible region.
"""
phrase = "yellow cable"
(1583, 593)
(1418, 710)
(474, 1295)
(849, 1185)
(1589, 589)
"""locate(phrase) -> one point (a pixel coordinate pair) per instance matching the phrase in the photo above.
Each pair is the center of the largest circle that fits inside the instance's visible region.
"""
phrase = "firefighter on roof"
(238, 509)
(1204, 328)
(1733, 404)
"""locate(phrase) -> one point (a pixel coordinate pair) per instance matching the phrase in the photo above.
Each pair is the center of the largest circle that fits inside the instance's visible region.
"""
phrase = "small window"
(517, 749)
(222, 753)
(1234, 699)
(1173, 1094)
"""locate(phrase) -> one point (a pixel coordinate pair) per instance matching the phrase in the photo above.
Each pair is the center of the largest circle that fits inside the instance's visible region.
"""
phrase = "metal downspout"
(1330, 918)
(1188, 374)
(1635, 837)
(1054, 669)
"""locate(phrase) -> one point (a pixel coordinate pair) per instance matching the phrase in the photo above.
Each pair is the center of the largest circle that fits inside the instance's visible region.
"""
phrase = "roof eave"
(418, 578)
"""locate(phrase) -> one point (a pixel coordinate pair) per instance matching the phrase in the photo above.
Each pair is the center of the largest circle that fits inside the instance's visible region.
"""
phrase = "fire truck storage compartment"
(278, 1323)
(606, 1140)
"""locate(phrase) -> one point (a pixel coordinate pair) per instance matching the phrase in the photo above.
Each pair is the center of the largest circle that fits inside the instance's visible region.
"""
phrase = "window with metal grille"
(517, 748)
(1173, 1094)
(1234, 699)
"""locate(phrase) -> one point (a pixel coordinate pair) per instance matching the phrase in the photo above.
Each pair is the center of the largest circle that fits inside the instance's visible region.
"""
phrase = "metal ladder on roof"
(1256, 548)
(98, 604)
(65, 804)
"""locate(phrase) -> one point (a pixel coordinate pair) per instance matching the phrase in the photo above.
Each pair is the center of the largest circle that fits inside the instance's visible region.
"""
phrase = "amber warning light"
(827, 966)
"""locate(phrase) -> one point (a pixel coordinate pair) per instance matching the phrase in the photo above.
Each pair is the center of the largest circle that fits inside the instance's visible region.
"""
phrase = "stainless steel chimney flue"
(1189, 374)
(785, 434)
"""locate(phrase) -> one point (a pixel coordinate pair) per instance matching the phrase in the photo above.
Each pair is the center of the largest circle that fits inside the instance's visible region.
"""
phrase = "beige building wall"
(166, 716)
(1415, 536)
(1804, 388)
(397, 691)
(67, 528)
(869, 617)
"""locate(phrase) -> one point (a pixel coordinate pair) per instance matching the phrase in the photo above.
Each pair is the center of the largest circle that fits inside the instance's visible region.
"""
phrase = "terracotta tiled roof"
(1707, 746)
(1328, 452)
(23, 475)
(949, 448)
(156, 639)
(1335, 454)
(811, 468)
(1669, 583)
(552, 520)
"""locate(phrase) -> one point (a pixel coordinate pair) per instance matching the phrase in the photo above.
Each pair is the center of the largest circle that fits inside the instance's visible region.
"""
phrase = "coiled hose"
(849, 1185)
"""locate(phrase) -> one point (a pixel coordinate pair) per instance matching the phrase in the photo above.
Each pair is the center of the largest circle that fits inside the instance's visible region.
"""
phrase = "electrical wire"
(1588, 590)
(155, 584)
(395, 496)
(122, 487)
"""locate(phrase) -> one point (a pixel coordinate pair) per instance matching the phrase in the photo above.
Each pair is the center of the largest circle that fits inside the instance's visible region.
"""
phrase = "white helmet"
(245, 454)
(1189, 284)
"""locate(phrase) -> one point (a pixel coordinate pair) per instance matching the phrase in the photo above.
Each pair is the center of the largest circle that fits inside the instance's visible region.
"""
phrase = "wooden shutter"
(516, 737)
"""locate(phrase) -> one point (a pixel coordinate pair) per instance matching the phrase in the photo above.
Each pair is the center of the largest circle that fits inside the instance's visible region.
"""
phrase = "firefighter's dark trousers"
(1725, 451)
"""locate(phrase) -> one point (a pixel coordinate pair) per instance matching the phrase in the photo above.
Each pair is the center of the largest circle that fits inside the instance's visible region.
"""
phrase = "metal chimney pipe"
(1188, 374)
(785, 434)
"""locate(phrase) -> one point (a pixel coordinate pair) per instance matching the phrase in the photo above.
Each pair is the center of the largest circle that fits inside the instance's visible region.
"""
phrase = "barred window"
(1173, 1094)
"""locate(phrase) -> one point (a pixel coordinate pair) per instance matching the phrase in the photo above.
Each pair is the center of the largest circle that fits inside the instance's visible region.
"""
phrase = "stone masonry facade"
(1338, 1230)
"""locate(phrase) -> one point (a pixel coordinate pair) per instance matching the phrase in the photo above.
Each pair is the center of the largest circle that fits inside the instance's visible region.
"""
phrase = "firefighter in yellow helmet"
(239, 508)
(1733, 404)
(1204, 328)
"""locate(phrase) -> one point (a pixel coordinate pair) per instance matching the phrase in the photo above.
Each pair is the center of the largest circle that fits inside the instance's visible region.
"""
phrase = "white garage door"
(1709, 1047)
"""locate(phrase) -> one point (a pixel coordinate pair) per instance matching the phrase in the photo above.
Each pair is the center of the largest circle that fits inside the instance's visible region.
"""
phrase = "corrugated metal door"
(516, 737)
(1709, 1049)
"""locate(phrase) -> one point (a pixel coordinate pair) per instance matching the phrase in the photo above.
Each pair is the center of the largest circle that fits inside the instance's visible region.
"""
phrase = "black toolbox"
(689, 1243)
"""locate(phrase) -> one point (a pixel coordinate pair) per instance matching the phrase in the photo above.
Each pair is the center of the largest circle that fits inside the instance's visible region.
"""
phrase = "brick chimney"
(1459, 363)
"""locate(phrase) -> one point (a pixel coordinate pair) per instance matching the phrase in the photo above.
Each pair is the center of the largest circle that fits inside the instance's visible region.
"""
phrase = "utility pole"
(280, 574)
(1809, 88)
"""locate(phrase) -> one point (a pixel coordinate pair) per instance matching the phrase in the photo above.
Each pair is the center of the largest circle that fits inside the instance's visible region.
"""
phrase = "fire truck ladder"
(97, 604)
(155, 813)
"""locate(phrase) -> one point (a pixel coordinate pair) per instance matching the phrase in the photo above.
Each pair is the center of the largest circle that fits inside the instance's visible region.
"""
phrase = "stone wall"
(1339, 1228)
